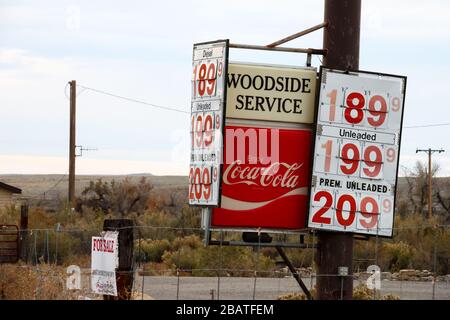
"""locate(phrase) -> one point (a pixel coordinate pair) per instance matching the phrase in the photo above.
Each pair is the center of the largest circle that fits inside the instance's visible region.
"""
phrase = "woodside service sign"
(271, 93)
(267, 148)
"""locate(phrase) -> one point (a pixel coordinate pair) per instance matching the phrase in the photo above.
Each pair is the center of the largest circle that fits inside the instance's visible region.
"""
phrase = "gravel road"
(236, 288)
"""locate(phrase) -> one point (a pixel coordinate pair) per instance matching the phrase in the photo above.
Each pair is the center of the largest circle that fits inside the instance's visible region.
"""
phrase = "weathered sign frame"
(215, 187)
(367, 74)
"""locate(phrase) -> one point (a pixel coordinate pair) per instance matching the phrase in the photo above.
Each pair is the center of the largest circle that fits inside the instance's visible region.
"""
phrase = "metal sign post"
(341, 40)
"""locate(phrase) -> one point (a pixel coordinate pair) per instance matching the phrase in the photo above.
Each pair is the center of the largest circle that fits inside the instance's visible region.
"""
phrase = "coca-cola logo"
(278, 174)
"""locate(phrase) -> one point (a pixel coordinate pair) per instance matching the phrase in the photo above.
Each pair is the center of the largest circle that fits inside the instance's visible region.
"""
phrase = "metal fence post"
(24, 241)
(220, 264)
(434, 265)
(178, 283)
(143, 281)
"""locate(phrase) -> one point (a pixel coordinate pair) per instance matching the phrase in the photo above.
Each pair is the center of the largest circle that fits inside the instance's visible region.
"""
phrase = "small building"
(6, 194)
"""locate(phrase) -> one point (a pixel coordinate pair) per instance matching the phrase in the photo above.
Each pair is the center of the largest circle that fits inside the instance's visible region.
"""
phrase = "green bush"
(184, 258)
(151, 250)
(398, 255)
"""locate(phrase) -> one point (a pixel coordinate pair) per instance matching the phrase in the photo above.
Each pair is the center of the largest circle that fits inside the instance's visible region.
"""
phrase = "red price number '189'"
(200, 181)
(205, 76)
(368, 207)
(355, 103)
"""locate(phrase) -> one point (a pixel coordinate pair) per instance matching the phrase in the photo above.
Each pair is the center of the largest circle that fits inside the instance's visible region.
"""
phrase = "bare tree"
(417, 183)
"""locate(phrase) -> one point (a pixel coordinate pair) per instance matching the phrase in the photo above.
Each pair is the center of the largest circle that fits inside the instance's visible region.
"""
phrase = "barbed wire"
(41, 195)
(62, 229)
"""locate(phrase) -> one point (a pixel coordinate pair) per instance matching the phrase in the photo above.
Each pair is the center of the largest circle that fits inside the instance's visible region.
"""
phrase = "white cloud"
(404, 20)
(143, 51)
(59, 165)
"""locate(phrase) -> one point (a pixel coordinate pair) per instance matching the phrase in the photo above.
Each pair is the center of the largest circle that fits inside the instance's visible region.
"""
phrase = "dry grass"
(360, 292)
(33, 185)
(44, 282)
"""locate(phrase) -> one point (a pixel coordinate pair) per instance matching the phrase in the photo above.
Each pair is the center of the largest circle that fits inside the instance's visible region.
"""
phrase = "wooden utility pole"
(23, 232)
(73, 94)
(124, 274)
(341, 39)
(430, 195)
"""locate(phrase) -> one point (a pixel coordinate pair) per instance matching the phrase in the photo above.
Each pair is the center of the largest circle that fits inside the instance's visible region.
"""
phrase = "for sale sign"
(104, 261)
(356, 153)
(271, 93)
(265, 178)
(209, 69)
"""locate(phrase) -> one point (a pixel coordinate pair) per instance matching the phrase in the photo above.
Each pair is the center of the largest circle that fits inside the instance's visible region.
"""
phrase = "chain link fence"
(172, 263)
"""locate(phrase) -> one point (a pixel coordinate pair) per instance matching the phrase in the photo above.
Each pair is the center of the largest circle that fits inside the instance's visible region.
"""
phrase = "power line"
(187, 112)
(42, 194)
(428, 125)
(133, 100)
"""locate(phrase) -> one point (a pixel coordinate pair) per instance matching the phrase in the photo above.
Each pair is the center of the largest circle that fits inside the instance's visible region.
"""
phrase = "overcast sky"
(143, 50)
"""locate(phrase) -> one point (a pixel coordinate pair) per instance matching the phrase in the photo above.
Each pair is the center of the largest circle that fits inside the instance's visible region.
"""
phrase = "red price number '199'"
(346, 203)
(371, 158)
(205, 76)
(200, 181)
(202, 127)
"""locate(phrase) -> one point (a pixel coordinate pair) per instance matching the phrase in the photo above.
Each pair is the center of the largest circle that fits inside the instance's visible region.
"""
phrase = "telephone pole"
(335, 250)
(430, 152)
(72, 146)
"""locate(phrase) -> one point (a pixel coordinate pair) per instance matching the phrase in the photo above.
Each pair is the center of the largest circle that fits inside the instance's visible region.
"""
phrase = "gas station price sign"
(208, 84)
(356, 152)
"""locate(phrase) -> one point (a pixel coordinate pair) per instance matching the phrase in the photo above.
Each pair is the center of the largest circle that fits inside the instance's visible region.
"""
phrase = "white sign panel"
(209, 69)
(356, 153)
(73, 281)
(270, 92)
(104, 261)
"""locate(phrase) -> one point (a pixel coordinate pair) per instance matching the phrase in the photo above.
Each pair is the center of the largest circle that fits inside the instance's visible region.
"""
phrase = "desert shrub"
(360, 292)
(292, 296)
(300, 257)
(118, 197)
(189, 253)
(397, 256)
(21, 282)
(390, 297)
(10, 215)
(156, 225)
(192, 241)
(151, 250)
(188, 220)
(184, 258)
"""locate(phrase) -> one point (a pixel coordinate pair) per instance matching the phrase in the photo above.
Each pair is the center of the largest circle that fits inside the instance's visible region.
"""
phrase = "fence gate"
(9, 243)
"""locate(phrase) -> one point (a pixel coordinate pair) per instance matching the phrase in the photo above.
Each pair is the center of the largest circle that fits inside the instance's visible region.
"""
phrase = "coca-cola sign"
(265, 178)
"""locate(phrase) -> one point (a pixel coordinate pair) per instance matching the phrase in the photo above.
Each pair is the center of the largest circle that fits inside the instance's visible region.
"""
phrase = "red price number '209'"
(205, 76)
(200, 181)
(346, 203)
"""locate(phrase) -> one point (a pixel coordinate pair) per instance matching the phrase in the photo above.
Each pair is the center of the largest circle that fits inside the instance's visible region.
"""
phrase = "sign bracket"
(298, 34)
(322, 52)
(294, 273)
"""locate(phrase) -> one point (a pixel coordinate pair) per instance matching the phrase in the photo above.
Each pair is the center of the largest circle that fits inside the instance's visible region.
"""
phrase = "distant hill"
(57, 184)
